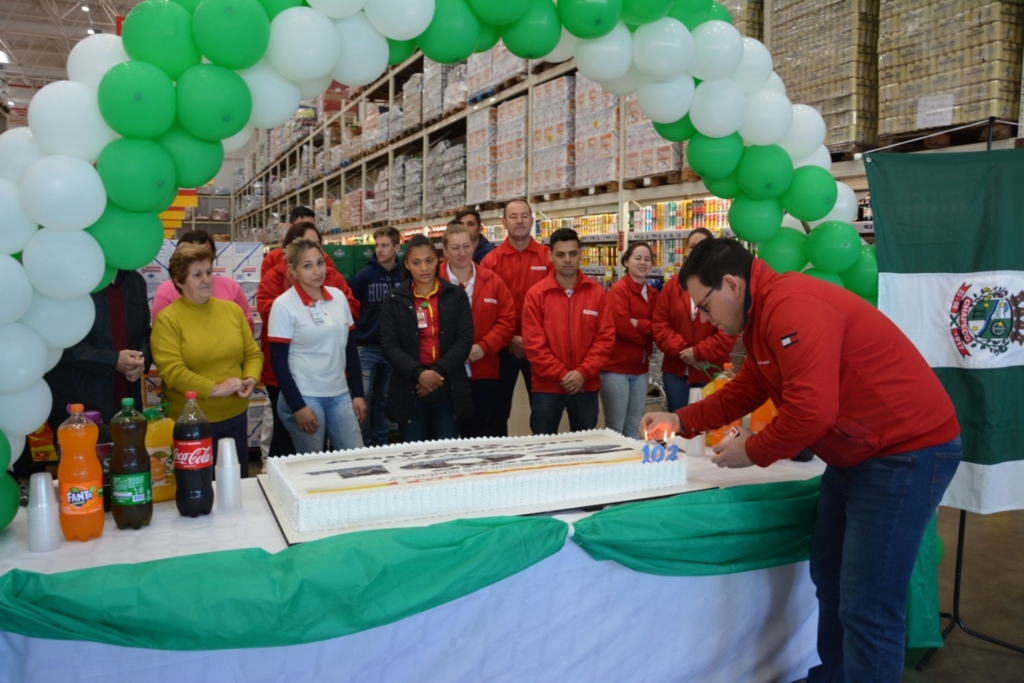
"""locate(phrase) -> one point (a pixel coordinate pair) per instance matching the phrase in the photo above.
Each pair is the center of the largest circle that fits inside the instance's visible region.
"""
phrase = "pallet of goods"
(747, 16)
(412, 102)
(597, 134)
(512, 148)
(482, 156)
(647, 153)
(553, 161)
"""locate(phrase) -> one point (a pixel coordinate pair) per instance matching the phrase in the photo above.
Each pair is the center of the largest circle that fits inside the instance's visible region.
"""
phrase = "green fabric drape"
(251, 598)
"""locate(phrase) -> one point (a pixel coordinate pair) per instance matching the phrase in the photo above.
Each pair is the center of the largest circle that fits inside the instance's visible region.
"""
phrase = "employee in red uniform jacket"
(624, 376)
(849, 385)
(569, 334)
(520, 262)
(494, 322)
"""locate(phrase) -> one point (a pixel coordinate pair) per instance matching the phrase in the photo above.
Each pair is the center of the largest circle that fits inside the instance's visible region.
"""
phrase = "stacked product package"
(435, 179)
(412, 102)
(455, 88)
(597, 133)
(454, 177)
(396, 189)
(481, 155)
(436, 79)
(413, 203)
(396, 120)
(747, 16)
(826, 52)
(553, 160)
(512, 148)
(375, 129)
(380, 197)
(948, 62)
(478, 76)
(505, 65)
(647, 153)
(348, 211)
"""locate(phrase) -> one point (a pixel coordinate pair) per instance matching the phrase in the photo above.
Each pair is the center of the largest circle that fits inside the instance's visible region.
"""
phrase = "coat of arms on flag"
(986, 318)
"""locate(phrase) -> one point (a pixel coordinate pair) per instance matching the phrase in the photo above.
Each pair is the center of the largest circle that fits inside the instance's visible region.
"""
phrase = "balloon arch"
(155, 109)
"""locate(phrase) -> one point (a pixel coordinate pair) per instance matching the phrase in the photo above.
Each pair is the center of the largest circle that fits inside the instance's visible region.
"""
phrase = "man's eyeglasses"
(703, 305)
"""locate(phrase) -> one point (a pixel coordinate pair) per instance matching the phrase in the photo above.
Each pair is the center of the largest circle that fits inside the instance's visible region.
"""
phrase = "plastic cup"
(228, 476)
(44, 532)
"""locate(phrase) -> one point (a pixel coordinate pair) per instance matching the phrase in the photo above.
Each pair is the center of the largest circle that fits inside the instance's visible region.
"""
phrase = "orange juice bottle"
(760, 418)
(720, 380)
(160, 444)
(81, 477)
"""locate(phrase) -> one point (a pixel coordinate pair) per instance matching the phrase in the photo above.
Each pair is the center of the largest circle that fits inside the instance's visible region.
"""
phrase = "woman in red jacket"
(624, 377)
(494, 322)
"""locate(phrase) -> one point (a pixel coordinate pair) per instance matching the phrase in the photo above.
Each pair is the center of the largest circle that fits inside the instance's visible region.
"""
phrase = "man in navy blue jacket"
(369, 286)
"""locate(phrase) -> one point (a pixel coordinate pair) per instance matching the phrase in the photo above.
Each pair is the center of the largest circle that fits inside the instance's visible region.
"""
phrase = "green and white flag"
(950, 236)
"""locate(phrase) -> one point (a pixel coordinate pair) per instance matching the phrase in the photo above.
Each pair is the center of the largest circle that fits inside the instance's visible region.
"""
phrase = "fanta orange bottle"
(81, 478)
(721, 379)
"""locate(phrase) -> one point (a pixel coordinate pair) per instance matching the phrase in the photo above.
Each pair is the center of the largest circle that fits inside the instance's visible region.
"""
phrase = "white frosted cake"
(466, 477)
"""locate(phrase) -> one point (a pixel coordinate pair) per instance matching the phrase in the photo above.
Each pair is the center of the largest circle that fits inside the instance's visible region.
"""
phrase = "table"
(566, 618)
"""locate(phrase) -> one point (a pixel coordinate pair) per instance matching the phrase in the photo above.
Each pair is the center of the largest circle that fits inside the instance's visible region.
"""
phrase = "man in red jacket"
(569, 334)
(521, 263)
(849, 385)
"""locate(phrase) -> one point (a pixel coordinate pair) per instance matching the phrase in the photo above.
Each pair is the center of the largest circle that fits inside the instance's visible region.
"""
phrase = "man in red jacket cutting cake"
(851, 387)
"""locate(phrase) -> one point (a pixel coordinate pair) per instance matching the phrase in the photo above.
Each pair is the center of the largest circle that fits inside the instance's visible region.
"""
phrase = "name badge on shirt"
(317, 313)
(421, 318)
(544, 268)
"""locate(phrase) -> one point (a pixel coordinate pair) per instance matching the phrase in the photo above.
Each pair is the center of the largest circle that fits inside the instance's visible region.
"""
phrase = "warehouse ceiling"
(37, 35)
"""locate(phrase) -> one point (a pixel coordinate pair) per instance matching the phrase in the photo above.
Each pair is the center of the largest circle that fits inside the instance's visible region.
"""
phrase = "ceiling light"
(85, 8)
(10, 104)
(90, 31)
(4, 59)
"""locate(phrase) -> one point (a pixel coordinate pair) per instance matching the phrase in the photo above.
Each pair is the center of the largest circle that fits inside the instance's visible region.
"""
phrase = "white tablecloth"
(565, 619)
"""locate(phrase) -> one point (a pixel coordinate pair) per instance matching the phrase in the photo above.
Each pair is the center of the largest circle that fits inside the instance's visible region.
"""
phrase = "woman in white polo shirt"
(310, 350)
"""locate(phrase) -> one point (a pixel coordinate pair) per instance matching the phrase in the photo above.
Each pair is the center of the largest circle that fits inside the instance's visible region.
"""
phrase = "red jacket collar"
(306, 299)
(582, 282)
(533, 245)
(760, 275)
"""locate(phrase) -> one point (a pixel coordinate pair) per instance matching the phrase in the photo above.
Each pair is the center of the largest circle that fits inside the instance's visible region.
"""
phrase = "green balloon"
(189, 5)
(755, 220)
(645, 11)
(160, 32)
(10, 500)
(196, 162)
(873, 300)
(233, 34)
(400, 50)
(714, 157)
(275, 7)
(536, 33)
(827, 277)
(726, 188)
(811, 195)
(213, 102)
(5, 453)
(589, 18)
(718, 12)
(129, 240)
(109, 273)
(138, 175)
(833, 246)
(862, 277)
(499, 13)
(489, 37)
(678, 131)
(786, 252)
(137, 99)
(692, 13)
(453, 33)
(765, 172)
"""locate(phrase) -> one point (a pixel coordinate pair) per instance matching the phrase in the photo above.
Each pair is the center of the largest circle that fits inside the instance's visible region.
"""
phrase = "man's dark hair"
(701, 231)
(504, 211)
(300, 212)
(713, 259)
(199, 237)
(469, 212)
(299, 229)
(564, 235)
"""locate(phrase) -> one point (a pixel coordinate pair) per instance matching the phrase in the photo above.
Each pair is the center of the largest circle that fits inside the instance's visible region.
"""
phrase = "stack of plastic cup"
(44, 532)
(228, 475)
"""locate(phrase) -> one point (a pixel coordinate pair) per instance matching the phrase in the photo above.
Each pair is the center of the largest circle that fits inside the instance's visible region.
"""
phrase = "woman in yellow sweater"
(204, 345)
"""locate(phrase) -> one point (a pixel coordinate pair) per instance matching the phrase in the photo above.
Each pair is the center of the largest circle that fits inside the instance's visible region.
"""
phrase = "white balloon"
(53, 357)
(60, 324)
(806, 134)
(337, 9)
(304, 44)
(239, 139)
(719, 108)
(18, 151)
(16, 226)
(400, 19)
(665, 101)
(25, 411)
(563, 51)
(65, 119)
(606, 58)
(820, 157)
(775, 83)
(662, 50)
(15, 290)
(23, 361)
(789, 221)
(92, 57)
(314, 88)
(755, 67)
(274, 98)
(845, 208)
(17, 442)
(63, 265)
(364, 52)
(717, 50)
(626, 85)
(63, 193)
(769, 116)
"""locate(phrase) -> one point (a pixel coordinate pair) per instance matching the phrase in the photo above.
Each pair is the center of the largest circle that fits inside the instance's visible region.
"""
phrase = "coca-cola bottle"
(193, 460)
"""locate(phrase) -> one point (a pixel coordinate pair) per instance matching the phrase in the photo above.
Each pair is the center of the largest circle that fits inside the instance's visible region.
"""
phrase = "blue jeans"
(546, 411)
(870, 522)
(336, 417)
(623, 397)
(376, 375)
(433, 421)
(508, 375)
(677, 391)
(483, 404)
